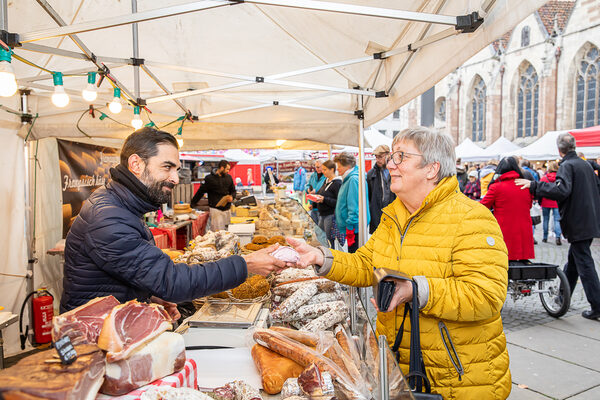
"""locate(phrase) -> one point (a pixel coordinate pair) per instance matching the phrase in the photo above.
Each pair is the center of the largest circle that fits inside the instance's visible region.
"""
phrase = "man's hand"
(308, 255)
(524, 183)
(170, 308)
(319, 198)
(261, 262)
(402, 294)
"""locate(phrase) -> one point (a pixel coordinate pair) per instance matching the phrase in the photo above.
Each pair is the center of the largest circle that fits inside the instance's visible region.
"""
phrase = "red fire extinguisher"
(43, 311)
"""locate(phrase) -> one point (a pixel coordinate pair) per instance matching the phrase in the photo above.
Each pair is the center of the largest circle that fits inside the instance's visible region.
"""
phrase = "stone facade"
(552, 41)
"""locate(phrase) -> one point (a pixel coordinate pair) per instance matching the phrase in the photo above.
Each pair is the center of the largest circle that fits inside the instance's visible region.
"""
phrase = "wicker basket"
(198, 303)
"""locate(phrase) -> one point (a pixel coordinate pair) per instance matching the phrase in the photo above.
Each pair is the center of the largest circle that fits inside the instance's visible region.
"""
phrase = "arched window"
(525, 36)
(478, 107)
(527, 103)
(587, 106)
(440, 109)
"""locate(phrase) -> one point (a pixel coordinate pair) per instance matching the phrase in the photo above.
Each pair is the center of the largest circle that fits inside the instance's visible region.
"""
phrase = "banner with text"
(83, 169)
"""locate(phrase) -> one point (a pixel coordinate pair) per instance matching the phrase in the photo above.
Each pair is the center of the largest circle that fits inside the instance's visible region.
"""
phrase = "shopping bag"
(536, 214)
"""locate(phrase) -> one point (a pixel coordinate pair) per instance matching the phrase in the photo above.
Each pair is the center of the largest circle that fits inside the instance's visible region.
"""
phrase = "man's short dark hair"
(144, 142)
(565, 143)
(223, 164)
(525, 163)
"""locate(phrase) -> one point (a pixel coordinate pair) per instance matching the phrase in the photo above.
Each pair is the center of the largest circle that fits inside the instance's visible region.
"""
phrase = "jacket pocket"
(451, 350)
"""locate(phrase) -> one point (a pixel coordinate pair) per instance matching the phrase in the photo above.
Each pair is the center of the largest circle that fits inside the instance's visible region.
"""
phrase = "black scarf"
(123, 176)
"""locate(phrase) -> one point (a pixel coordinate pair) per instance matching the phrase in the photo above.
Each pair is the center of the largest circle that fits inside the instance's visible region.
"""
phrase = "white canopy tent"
(374, 139)
(468, 151)
(499, 147)
(545, 148)
(246, 74)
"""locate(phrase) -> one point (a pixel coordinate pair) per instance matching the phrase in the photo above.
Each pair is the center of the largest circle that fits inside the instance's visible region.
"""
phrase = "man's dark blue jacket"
(110, 251)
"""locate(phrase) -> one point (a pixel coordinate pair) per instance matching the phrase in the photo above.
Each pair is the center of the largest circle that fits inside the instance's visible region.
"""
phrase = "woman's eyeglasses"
(398, 156)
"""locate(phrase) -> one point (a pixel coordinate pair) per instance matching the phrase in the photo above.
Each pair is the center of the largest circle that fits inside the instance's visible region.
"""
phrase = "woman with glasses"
(452, 247)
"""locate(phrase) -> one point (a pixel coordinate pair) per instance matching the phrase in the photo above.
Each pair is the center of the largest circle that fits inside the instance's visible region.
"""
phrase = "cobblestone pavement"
(528, 311)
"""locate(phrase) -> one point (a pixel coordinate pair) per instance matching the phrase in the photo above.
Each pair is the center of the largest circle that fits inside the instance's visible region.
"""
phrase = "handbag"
(384, 290)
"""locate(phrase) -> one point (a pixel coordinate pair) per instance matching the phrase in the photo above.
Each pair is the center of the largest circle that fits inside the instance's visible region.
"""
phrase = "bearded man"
(109, 250)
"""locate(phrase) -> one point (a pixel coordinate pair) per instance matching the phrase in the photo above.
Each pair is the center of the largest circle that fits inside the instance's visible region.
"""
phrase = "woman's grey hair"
(565, 143)
(345, 159)
(435, 147)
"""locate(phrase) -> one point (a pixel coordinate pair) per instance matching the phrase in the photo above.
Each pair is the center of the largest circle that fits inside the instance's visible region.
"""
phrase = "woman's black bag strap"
(417, 377)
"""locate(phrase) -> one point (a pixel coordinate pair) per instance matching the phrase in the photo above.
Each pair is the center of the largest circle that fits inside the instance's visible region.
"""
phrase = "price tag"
(65, 350)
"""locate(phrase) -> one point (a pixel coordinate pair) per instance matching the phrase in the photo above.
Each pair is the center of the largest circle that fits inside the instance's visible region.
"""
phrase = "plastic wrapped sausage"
(327, 320)
(295, 301)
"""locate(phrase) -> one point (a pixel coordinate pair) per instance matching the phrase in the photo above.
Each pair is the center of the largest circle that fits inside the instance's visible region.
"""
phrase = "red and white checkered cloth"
(187, 377)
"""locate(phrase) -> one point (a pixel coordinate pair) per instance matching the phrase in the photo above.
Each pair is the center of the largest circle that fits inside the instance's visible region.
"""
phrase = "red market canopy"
(587, 137)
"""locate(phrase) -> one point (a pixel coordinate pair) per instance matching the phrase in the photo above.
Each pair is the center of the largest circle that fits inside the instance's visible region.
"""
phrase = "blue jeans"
(326, 223)
(314, 214)
(546, 219)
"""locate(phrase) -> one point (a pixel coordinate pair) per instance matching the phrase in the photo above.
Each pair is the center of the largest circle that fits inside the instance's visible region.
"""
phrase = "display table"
(6, 318)
(187, 377)
(178, 234)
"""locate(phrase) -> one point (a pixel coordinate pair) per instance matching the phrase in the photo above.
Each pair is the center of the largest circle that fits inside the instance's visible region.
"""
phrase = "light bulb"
(115, 106)
(8, 83)
(89, 93)
(180, 142)
(59, 97)
(136, 122)
(280, 142)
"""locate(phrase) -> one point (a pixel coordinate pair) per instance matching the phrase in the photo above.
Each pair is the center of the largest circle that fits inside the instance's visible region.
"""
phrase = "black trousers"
(581, 264)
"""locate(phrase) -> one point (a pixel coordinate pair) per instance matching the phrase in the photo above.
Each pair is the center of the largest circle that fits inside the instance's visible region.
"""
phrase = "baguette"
(306, 338)
(274, 369)
(293, 350)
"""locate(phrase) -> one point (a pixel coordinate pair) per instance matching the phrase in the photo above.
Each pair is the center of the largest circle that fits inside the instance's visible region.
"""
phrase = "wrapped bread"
(274, 369)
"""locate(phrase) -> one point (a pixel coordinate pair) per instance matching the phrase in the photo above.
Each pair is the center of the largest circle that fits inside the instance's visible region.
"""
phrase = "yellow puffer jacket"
(457, 245)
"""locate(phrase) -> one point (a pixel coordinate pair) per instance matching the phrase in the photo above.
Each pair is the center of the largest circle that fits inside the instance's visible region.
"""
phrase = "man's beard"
(155, 188)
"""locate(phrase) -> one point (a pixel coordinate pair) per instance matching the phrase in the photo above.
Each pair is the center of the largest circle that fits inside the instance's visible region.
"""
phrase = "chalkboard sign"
(65, 350)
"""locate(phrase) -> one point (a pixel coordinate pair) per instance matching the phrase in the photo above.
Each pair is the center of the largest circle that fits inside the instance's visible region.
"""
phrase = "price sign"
(65, 350)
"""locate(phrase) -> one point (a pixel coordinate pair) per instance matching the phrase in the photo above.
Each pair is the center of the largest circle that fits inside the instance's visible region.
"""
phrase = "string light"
(136, 122)
(279, 142)
(90, 94)
(8, 83)
(115, 105)
(180, 142)
(59, 97)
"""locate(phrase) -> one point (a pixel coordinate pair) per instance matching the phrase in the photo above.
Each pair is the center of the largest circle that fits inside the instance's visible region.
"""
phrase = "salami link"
(295, 301)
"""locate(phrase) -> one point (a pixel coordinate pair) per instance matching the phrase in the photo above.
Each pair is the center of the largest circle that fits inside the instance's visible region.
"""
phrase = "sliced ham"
(158, 358)
(130, 326)
(84, 323)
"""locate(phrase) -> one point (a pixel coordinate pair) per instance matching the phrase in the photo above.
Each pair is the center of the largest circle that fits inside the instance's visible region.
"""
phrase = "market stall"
(278, 84)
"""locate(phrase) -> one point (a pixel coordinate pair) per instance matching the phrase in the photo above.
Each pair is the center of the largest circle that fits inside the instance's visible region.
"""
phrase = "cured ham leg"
(130, 326)
(84, 323)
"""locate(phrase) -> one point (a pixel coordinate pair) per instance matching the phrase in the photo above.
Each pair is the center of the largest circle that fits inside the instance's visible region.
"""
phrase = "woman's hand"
(170, 308)
(261, 262)
(319, 198)
(402, 294)
(308, 255)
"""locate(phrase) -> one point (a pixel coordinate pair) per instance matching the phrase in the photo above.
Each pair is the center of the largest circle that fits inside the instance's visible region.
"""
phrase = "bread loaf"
(274, 369)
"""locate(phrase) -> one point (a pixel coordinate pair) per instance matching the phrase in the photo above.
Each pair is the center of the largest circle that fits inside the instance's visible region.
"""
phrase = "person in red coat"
(550, 207)
(511, 207)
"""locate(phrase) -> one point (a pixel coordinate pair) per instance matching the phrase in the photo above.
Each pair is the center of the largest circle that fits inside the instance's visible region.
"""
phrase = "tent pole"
(136, 53)
(29, 238)
(4, 15)
(362, 198)
(329, 152)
